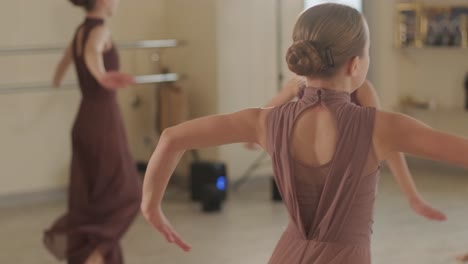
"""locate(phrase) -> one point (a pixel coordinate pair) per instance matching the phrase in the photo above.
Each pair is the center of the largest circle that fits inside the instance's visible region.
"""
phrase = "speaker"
(141, 166)
(212, 198)
(276, 196)
(205, 173)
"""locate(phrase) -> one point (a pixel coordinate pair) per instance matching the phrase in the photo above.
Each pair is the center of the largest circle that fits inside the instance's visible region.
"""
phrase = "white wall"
(247, 65)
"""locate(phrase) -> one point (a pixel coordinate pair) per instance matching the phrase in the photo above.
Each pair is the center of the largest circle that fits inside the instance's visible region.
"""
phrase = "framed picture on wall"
(438, 28)
(459, 20)
(408, 25)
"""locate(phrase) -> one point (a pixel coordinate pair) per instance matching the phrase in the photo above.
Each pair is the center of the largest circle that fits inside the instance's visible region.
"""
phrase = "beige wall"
(428, 73)
(247, 65)
(384, 64)
(229, 60)
(424, 73)
(434, 73)
(34, 134)
(247, 44)
(195, 23)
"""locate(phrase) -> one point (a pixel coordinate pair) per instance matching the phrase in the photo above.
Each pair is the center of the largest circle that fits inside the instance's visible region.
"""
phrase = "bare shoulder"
(255, 118)
(99, 36)
(392, 131)
(262, 124)
(384, 119)
(367, 95)
(382, 126)
(392, 119)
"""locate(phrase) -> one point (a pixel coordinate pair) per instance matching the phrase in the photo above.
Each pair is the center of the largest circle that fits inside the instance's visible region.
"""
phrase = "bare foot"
(95, 258)
(463, 258)
(424, 209)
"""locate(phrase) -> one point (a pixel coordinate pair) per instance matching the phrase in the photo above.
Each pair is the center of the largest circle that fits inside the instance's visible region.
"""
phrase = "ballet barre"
(157, 78)
(50, 49)
(44, 87)
(142, 44)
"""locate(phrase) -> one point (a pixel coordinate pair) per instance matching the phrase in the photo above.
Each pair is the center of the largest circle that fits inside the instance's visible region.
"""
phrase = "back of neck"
(337, 84)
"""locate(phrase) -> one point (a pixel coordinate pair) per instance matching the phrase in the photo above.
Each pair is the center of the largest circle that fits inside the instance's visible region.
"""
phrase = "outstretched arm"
(396, 161)
(398, 132)
(63, 67)
(244, 126)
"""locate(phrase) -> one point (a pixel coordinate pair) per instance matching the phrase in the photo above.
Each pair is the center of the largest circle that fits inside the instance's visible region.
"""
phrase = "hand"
(252, 146)
(157, 219)
(463, 258)
(116, 80)
(424, 209)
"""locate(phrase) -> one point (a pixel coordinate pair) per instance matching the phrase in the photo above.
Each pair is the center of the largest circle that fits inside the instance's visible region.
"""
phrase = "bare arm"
(367, 96)
(398, 132)
(94, 49)
(244, 126)
(63, 67)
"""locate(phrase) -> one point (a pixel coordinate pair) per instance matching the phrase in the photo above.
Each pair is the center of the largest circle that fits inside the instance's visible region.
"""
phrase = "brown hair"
(86, 4)
(325, 37)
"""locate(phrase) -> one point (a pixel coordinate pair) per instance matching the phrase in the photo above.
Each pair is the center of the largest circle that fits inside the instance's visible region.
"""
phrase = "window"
(354, 3)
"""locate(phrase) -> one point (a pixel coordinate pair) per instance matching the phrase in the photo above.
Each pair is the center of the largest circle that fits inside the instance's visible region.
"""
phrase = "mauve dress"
(105, 188)
(330, 206)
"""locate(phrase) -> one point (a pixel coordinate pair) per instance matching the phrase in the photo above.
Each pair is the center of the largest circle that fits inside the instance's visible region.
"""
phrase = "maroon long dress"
(105, 188)
(330, 206)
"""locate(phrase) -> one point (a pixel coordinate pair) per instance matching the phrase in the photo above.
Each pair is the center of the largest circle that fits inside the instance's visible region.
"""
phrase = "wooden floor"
(250, 224)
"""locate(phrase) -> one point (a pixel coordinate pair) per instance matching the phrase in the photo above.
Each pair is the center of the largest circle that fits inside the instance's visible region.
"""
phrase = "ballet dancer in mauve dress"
(326, 150)
(364, 96)
(105, 188)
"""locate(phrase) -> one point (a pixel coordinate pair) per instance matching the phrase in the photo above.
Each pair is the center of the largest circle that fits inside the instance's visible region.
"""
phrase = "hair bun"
(304, 59)
(79, 2)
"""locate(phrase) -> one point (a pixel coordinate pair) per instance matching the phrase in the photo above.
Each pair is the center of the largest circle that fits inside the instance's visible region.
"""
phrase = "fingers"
(115, 80)
(433, 214)
(439, 216)
(172, 237)
(129, 79)
(178, 240)
(424, 209)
